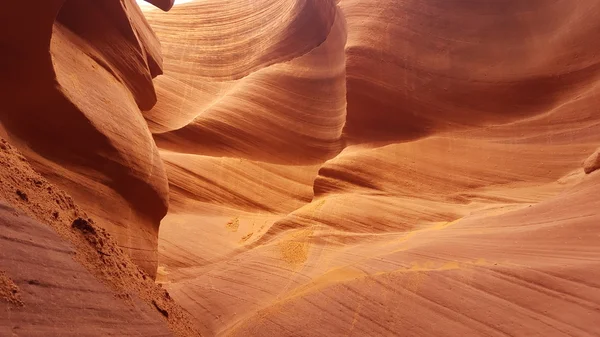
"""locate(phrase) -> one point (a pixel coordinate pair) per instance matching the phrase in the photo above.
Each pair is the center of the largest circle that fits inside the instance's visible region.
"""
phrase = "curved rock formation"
(418, 68)
(407, 162)
(527, 271)
(269, 86)
(73, 86)
(320, 167)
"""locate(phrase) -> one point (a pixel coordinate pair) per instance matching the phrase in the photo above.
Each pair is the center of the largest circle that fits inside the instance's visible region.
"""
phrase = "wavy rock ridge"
(73, 86)
(319, 167)
(371, 167)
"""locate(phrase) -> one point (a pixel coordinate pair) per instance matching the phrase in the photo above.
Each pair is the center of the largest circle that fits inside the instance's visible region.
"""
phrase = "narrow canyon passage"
(304, 167)
(417, 162)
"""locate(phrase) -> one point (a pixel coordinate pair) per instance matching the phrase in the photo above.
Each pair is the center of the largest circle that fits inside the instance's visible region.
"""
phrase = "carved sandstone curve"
(270, 87)
(72, 106)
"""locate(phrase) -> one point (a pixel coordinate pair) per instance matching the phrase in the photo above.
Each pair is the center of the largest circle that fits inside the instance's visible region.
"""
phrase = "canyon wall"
(76, 75)
(322, 167)
(380, 167)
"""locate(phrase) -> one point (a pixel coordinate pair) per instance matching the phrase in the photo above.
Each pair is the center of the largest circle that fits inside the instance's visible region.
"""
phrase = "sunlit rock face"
(327, 167)
(380, 167)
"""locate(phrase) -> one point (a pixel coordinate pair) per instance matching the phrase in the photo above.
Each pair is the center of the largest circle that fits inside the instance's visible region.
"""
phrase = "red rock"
(592, 163)
(322, 167)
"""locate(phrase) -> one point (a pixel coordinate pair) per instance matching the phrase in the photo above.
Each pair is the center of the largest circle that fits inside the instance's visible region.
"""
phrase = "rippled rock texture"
(75, 75)
(380, 168)
(328, 167)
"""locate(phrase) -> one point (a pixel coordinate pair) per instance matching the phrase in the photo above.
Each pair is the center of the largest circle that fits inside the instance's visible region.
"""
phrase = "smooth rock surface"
(318, 167)
(72, 89)
(435, 190)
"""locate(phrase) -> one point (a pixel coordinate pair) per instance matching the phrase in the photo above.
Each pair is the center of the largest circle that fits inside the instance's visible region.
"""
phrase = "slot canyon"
(299, 168)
